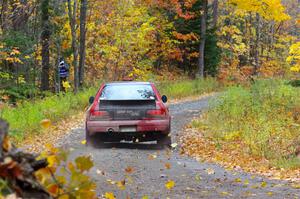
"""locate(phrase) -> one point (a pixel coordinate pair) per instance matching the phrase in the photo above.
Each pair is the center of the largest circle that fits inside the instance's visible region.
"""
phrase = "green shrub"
(265, 117)
(294, 83)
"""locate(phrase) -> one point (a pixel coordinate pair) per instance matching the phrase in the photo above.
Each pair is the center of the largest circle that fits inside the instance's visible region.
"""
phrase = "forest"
(232, 67)
(232, 40)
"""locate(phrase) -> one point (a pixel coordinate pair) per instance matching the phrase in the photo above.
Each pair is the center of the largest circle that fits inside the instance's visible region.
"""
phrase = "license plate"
(128, 129)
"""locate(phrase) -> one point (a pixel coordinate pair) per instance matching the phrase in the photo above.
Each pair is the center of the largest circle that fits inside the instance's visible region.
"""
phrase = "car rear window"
(127, 92)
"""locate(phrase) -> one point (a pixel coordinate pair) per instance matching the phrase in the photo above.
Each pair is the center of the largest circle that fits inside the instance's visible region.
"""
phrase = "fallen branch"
(17, 168)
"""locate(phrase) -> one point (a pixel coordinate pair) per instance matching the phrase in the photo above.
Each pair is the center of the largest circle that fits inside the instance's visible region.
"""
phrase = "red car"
(131, 111)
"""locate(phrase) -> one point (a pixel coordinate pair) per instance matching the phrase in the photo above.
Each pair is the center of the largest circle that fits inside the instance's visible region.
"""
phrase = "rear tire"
(164, 141)
(88, 139)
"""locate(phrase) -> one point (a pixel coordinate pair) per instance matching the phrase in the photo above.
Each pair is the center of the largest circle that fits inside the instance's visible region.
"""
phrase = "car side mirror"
(164, 99)
(91, 100)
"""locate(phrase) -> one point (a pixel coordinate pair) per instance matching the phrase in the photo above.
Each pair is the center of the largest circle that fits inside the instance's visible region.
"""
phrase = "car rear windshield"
(127, 92)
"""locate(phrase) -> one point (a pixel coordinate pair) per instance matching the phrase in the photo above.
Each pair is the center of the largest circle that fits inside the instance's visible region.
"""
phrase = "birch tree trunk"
(201, 63)
(257, 44)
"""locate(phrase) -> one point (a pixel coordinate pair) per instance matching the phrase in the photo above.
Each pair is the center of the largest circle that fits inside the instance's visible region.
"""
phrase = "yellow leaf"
(6, 145)
(64, 197)
(238, 180)
(224, 193)
(66, 85)
(51, 160)
(110, 195)
(296, 186)
(170, 184)
(263, 184)
(270, 193)
(152, 156)
(46, 123)
(83, 142)
(121, 185)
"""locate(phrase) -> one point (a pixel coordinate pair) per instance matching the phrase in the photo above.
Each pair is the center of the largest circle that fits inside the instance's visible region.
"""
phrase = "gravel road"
(150, 173)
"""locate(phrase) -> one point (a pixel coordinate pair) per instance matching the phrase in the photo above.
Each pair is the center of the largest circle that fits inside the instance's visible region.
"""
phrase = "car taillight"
(156, 114)
(99, 116)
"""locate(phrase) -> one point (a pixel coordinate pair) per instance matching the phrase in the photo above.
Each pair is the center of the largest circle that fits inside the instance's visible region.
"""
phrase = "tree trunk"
(45, 40)
(83, 11)
(215, 13)
(201, 63)
(256, 56)
(4, 8)
(72, 18)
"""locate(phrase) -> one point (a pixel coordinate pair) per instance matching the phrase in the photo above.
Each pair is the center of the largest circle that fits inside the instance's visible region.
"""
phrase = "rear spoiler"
(127, 103)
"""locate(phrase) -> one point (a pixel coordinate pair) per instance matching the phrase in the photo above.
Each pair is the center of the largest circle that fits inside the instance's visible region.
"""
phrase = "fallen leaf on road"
(152, 156)
(198, 178)
(129, 170)
(238, 180)
(263, 184)
(296, 186)
(110, 181)
(99, 172)
(110, 195)
(190, 189)
(170, 184)
(224, 193)
(168, 166)
(210, 171)
(129, 179)
(121, 184)
(270, 193)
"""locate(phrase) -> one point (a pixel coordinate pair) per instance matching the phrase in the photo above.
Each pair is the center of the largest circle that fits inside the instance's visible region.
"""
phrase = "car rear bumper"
(142, 126)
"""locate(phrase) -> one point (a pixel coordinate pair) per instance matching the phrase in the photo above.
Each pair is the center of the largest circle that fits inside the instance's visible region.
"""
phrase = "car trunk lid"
(127, 109)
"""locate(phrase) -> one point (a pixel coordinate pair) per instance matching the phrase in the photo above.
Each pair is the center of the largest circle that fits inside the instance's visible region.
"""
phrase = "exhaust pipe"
(110, 130)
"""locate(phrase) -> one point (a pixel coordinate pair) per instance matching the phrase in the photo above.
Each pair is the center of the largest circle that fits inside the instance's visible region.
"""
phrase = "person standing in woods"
(63, 69)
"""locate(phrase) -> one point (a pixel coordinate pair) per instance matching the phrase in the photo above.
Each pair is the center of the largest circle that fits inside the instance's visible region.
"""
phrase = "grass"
(25, 119)
(188, 88)
(264, 117)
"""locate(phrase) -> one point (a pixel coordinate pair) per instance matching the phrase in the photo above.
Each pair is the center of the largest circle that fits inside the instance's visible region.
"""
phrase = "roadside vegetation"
(263, 120)
(187, 88)
(27, 117)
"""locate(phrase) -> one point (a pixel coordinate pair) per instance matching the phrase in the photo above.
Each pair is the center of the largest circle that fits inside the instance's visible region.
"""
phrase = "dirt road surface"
(152, 167)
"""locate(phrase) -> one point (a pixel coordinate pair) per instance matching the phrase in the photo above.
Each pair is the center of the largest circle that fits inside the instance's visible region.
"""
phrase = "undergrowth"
(264, 117)
(186, 88)
(25, 119)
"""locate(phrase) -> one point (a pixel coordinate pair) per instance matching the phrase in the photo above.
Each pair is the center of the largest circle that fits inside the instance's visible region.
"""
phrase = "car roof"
(127, 83)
